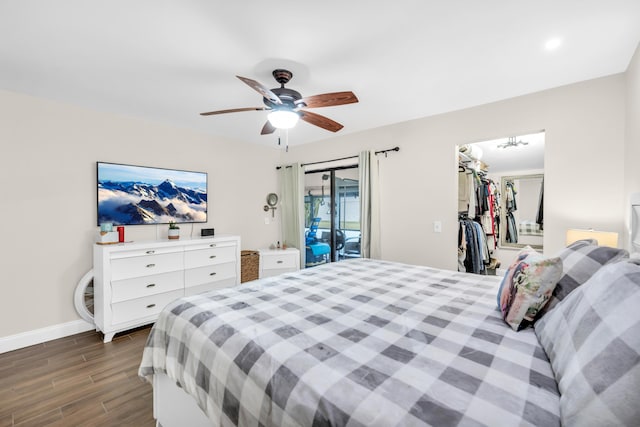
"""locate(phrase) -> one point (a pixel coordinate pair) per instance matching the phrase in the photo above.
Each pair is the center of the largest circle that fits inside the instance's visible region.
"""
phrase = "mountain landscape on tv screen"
(132, 203)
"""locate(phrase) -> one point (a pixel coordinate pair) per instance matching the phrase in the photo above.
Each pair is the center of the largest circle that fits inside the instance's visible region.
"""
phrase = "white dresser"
(134, 281)
(277, 261)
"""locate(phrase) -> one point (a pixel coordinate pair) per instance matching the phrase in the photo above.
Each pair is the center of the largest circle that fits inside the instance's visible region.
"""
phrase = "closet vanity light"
(511, 142)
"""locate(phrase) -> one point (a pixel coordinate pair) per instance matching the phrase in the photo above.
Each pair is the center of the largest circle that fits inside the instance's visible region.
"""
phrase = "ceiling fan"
(287, 105)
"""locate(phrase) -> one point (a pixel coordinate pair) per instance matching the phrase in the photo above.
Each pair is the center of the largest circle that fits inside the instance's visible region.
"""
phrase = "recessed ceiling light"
(553, 44)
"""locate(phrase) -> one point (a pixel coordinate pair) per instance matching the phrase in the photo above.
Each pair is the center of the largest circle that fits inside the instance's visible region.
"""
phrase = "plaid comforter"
(355, 343)
(529, 228)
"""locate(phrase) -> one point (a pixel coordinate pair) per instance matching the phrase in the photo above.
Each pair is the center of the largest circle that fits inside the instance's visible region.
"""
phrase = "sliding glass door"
(332, 215)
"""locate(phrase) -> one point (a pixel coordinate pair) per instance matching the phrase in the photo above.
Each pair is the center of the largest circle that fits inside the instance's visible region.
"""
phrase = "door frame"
(332, 183)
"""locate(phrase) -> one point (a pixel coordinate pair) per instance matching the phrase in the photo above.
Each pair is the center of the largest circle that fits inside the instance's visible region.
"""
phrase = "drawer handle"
(150, 265)
(151, 305)
(151, 285)
(213, 245)
(151, 252)
(213, 274)
(212, 256)
(280, 261)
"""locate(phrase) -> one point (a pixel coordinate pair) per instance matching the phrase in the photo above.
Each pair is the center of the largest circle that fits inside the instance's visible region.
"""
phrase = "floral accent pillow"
(527, 287)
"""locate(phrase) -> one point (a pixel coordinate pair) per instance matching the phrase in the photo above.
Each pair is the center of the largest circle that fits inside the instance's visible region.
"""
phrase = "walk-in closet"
(500, 201)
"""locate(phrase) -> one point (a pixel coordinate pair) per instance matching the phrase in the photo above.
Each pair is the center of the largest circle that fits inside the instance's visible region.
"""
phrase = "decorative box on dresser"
(278, 261)
(134, 281)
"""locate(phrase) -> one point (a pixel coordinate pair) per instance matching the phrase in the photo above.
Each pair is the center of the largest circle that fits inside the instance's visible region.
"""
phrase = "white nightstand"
(277, 261)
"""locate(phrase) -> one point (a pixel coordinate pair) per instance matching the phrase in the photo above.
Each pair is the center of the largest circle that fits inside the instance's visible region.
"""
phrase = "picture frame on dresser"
(134, 281)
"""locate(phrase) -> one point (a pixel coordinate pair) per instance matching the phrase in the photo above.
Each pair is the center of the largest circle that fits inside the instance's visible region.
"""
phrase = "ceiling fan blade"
(320, 121)
(329, 99)
(234, 110)
(262, 90)
(267, 128)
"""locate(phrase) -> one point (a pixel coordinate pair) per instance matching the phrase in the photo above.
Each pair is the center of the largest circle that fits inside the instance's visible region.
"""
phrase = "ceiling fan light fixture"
(283, 119)
(553, 44)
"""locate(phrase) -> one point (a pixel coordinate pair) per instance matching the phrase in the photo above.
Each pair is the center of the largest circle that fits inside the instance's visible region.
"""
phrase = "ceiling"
(527, 156)
(168, 61)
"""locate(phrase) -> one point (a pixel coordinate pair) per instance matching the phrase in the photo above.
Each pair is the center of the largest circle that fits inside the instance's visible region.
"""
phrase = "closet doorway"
(500, 200)
(332, 215)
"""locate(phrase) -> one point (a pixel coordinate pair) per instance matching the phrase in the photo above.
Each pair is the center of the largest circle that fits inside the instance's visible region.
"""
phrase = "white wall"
(48, 196)
(584, 151)
(49, 150)
(632, 146)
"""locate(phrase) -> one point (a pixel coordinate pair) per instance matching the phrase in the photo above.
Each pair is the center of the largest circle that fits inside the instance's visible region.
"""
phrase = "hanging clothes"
(462, 247)
(478, 206)
(497, 209)
(540, 215)
(463, 190)
(471, 212)
(473, 250)
(512, 228)
(511, 205)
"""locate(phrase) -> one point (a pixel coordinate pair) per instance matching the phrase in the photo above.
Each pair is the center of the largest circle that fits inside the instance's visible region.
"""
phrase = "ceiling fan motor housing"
(282, 76)
(287, 96)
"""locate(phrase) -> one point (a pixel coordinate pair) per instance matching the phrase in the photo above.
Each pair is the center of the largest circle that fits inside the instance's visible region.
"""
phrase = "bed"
(358, 343)
(529, 228)
(377, 343)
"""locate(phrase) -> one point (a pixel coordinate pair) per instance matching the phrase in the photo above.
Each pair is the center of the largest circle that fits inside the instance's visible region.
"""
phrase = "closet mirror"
(490, 174)
(522, 214)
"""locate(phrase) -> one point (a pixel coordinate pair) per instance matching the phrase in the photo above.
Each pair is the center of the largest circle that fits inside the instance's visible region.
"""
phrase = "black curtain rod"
(323, 161)
(343, 158)
(387, 150)
(329, 161)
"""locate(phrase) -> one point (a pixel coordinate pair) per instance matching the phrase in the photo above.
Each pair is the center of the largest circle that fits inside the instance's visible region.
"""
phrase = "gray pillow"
(581, 260)
(592, 339)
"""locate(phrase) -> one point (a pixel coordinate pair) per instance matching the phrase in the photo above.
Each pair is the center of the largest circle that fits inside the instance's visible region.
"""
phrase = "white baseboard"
(37, 336)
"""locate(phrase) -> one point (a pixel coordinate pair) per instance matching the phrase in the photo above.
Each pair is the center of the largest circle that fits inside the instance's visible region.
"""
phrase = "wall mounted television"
(134, 195)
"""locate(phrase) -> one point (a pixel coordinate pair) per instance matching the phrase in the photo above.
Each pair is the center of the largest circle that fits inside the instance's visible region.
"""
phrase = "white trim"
(37, 336)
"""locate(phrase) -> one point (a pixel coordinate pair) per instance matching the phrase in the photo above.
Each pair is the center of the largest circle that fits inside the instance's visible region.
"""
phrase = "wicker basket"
(249, 265)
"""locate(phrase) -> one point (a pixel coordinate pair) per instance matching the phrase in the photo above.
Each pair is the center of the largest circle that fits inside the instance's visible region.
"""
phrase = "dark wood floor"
(76, 381)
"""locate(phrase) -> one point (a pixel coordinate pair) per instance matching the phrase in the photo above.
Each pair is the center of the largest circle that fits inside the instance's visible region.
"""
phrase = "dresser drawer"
(140, 308)
(139, 287)
(125, 268)
(130, 253)
(212, 273)
(284, 260)
(210, 256)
